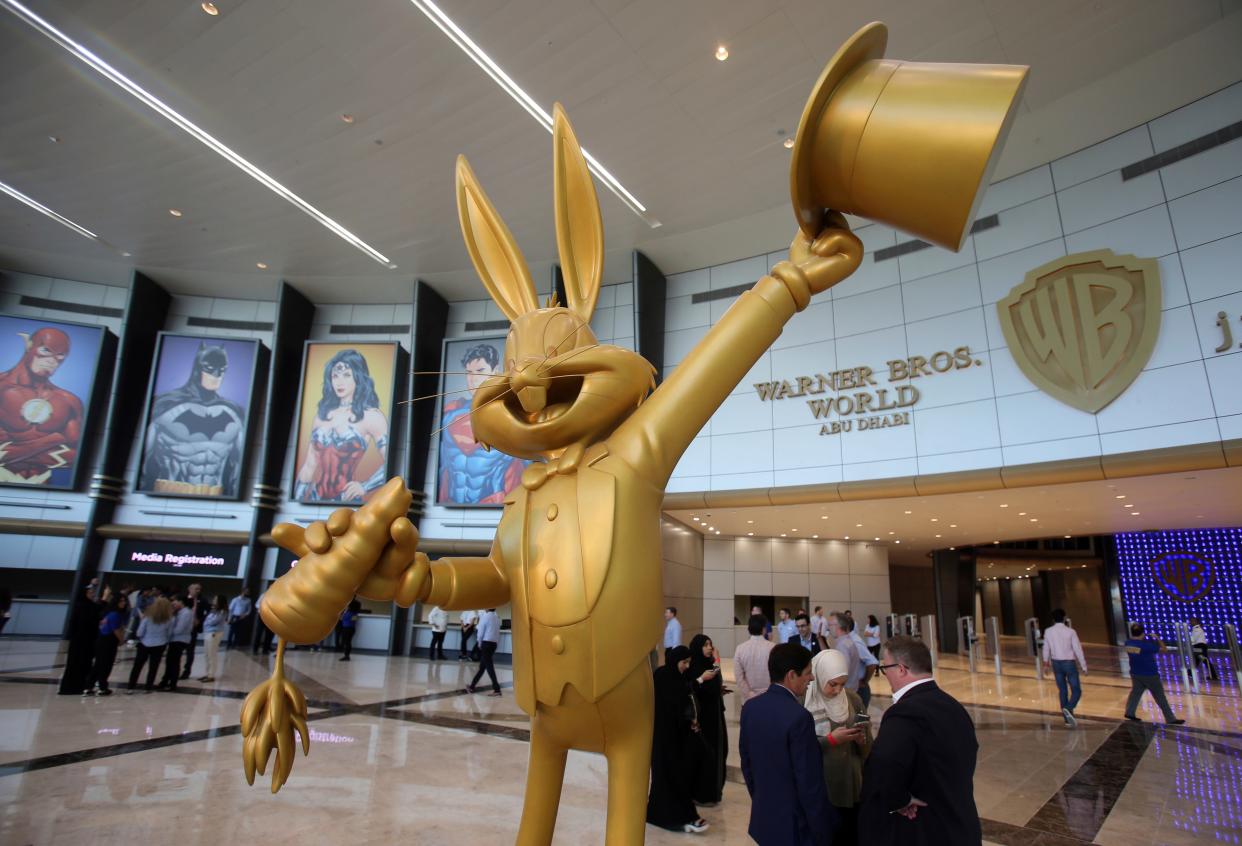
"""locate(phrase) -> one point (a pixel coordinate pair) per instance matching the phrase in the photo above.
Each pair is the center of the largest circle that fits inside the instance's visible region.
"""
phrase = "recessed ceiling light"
(1120, 496)
(782, 534)
(1021, 513)
(935, 519)
(814, 536)
(847, 537)
(1034, 520)
(750, 534)
(1067, 536)
(192, 129)
(1134, 513)
(210, 8)
(789, 142)
(1004, 505)
(892, 533)
(1127, 505)
(175, 212)
(953, 547)
(750, 521)
(953, 525)
(126, 254)
(696, 519)
(42, 209)
(877, 538)
(937, 535)
(506, 83)
(722, 53)
(347, 118)
(897, 541)
(995, 542)
(909, 512)
(717, 531)
(824, 517)
(858, 525)
(260, 265)
(793, 530)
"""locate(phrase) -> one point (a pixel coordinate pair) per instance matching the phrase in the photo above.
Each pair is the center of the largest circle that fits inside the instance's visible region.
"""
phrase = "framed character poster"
(198, 416)
(467, 474)
(344, 421)
(48, 372)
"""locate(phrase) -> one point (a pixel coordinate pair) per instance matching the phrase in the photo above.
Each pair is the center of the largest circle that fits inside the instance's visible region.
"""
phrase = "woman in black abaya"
(704, 676)
(83, 631)
(673, 755)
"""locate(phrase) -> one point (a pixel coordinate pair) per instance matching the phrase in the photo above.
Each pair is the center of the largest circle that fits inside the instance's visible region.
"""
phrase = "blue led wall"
(1175, 575)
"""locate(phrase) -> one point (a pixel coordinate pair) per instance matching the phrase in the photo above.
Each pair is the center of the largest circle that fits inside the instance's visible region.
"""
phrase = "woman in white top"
(1198, 642)
(871, 635)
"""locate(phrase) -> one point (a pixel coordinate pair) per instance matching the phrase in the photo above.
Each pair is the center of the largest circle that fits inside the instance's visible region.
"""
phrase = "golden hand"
(334, 559)
(815, 266)
(402, 573)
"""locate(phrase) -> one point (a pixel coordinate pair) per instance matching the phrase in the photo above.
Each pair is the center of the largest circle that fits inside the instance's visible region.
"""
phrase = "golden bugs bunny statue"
(578, 552)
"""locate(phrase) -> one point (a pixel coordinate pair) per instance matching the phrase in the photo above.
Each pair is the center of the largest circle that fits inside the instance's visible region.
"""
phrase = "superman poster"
(469, 475)
(198, 414)
(47, 377)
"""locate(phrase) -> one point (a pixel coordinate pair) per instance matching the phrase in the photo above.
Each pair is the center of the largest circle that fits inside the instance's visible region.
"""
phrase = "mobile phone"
(862, 718)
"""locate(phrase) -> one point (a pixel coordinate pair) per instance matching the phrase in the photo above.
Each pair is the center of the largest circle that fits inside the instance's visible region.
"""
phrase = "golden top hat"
(909, 144)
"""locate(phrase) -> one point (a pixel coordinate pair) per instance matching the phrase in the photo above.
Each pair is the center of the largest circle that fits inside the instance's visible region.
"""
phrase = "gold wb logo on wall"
(1083, 327)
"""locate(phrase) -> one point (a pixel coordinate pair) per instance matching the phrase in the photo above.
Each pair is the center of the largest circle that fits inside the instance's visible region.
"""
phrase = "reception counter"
(421, 639)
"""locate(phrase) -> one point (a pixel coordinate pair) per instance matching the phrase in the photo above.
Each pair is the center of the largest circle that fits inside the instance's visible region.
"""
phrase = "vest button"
(549, 579)
(552, 511)
(558, 645)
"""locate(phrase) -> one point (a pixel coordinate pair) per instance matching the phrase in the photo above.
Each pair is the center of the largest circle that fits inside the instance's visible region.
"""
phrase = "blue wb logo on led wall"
(1167, 577)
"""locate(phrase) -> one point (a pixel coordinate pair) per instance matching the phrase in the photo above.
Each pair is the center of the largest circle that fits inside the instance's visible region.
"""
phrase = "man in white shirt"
(489, 639)
(868, 662)
(672, 629)
(240, 607)
(838, 627)
(469, 622)
(750, 660)
(1063, 654)
(438, 619)
(819, 627)
(786, 627)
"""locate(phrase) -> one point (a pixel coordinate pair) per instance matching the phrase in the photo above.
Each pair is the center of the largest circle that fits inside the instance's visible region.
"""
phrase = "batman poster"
(195, 437)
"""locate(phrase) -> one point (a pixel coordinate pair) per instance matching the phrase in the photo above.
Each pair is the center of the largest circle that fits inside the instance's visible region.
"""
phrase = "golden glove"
(815, 266)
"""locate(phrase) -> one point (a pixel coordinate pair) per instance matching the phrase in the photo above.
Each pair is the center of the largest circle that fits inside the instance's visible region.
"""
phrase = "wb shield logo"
(1183, 575)
(1082, 327)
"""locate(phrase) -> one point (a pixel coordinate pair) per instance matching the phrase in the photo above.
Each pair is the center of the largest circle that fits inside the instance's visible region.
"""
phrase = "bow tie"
(566, 464)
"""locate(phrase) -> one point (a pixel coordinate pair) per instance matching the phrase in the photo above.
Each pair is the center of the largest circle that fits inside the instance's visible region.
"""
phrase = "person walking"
(750, 660)
(918, 781)
(781, 762)
(844, 737)
(1199, 644)
(213, 632)
(868, 664)
(111, 635)
(240, 607)
(153, 633)
(178, 642)
(1144, 675)
(489, 639)
(871, 636)
(708, 685)
(349, 625)
(438, 618)
(672, 630)
(670, 803)
(1063, 655)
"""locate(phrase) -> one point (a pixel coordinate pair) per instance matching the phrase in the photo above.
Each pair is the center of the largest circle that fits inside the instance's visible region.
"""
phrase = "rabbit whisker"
(572, 332)
(472, 390)
(578, 351)
(501, 395)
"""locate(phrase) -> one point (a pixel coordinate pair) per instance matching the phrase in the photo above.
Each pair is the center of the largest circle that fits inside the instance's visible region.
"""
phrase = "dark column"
(145, 312)
(558, 285)
(954, 574)
(294, 314)
(1008, 625)
(1110, 590)
(426, 351)
(1040, 601)
(649, 303)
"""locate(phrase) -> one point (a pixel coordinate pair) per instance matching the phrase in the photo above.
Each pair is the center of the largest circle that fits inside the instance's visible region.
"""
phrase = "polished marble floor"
(399, 753)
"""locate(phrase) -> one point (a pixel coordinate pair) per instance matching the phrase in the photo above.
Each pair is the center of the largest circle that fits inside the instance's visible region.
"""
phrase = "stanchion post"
(1235, 652)
(993, 633)
(929, 637)
(1033, 645)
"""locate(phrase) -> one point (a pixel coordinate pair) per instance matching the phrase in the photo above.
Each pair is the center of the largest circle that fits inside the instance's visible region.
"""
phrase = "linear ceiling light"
(189, 127)
(42, 209)
(484, 61)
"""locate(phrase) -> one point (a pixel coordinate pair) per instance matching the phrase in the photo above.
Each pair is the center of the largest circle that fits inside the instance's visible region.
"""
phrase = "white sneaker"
(1069, 718)
(697, 827)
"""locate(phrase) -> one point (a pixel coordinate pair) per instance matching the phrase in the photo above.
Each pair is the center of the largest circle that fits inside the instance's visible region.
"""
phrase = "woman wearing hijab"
(670, 804)
(843, 738)
(83, 631)
(708, 689)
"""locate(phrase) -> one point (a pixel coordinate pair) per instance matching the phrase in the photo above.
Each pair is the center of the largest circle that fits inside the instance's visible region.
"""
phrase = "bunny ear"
(579, 229)
(495, 254)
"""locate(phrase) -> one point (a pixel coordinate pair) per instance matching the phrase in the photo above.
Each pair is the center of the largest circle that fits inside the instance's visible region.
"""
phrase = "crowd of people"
(163, 627)
(815, 772)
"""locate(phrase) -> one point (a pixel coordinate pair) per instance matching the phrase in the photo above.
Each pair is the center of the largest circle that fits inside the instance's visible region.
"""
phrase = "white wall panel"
(1209, 214)
(1020, 227)
(1212, 269)
(1106, 198)
(867, 312)
(944, 293)
(935, 260)
(955, 428)
(997, 276)
(1016, 190)
(1111, 154)
(1159, 397)
(1225, 378)
(1146, 233)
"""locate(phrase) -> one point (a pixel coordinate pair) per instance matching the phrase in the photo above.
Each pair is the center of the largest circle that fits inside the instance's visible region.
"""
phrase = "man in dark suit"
(805, 637)
(918, 782)
(781, 760)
